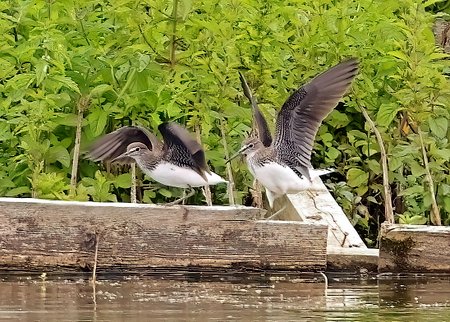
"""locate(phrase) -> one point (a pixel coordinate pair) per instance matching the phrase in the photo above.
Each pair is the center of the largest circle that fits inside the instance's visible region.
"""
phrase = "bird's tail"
(320, 172)
(214, 179)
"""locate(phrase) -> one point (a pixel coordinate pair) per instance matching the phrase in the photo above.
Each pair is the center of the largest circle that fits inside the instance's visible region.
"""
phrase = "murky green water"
(25, 298)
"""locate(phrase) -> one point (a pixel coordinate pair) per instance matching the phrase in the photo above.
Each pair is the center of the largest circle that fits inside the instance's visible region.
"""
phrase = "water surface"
(276, 298)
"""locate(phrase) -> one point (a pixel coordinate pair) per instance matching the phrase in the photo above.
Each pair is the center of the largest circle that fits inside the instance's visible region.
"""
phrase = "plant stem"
(435, 213)
(257, 194)
(94, 270)
(133, 195)
(207, 191)
(228, 165)
(173, 44)
(133, 183)
(388, 211)
(82, 104)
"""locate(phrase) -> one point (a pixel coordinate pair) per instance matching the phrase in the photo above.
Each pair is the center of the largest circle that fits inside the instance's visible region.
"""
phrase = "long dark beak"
(123, 155)
(234, 156)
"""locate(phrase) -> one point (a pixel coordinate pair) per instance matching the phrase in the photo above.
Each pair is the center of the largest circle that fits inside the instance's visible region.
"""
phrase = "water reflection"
(265, 299)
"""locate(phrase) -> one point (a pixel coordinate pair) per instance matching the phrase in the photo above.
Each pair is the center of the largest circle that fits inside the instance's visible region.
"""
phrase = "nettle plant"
(92, 66)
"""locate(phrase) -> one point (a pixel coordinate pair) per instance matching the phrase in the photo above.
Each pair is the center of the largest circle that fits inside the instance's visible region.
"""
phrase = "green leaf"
(356, 177)
(97, 121)
(333, 153)
(41, 71)
(412, 191)
(337, 119)
(327, 137)
(186, 6)
(18, 191)
(98, 90)
(67, 82)
(66, 119)
(399, 54)
(439, 56)
(144, 60)
(438, 126)
(166, 193)
(387, 113)
(58, 153)
(123, 181)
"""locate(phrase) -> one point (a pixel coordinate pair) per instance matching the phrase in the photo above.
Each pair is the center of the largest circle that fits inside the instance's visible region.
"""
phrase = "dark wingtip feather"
(114, 144)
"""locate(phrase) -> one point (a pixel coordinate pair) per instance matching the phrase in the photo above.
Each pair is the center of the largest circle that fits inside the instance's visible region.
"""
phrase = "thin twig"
(207, 190)
(435, 212)
(133, 183)
(133, 195)
(228, 165)
(257, 194)
(82, 104)
(173, 44)
(94, 270)
(388, 210)
(158, 56)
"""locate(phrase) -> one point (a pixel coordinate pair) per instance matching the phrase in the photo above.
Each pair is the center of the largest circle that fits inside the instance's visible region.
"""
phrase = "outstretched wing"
(261, 123)
(304, 111)
(113, 144)
(182, 148)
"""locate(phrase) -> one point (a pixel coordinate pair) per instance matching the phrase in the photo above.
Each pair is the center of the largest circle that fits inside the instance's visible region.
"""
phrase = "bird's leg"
(276, 213)
(184, 197)
(207, 193)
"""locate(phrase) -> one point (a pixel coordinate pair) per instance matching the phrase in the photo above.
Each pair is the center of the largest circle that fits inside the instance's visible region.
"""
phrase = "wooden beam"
(55, 235)
(319, 206)
(352, 259)
(414, 248)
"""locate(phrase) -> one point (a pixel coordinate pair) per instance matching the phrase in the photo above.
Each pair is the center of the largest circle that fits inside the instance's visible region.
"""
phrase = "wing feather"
(303, 112)
(261, 123)
(183, 148)
(113, 144)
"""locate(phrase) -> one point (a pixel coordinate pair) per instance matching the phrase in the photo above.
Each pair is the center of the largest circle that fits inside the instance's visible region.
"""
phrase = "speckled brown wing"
(182, 148)
(114, 144)
(301, 115)
(260, 122)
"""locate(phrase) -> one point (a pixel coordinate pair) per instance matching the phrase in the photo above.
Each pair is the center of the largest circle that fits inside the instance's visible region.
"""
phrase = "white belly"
(279, 179)
(174, 176)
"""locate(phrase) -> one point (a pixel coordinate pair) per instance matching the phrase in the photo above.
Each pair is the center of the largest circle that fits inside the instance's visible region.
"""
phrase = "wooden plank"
(319, 206)
(48, 235)
(358, 260)
(414, 248)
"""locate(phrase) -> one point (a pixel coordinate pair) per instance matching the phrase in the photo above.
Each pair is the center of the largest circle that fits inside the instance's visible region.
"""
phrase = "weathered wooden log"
(414, 248)
(352, 259)
(56, 235)
(319, 206)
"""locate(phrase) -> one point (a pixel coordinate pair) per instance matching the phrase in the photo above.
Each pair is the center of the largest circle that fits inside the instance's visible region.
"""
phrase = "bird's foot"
(182, 199)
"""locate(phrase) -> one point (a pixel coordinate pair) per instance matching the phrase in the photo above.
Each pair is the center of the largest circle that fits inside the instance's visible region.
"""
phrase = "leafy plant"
(145, 62)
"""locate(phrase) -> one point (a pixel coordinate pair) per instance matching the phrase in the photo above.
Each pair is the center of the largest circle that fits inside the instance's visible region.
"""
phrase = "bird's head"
(135, 150)
(249, 146)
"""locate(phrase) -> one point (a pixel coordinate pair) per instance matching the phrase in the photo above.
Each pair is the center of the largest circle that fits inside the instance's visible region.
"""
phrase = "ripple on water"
(271, 299)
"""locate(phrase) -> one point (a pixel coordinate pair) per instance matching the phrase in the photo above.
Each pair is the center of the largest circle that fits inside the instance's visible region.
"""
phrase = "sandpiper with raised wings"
(283, 165)
(178, 162)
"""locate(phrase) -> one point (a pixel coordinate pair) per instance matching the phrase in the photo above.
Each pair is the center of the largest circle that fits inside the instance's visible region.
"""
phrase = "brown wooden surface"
(49, 235)
(352, 259)
(319, 206)
(414, 248)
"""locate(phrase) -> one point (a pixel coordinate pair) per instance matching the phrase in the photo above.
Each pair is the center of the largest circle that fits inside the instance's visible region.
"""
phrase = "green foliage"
(144, 62)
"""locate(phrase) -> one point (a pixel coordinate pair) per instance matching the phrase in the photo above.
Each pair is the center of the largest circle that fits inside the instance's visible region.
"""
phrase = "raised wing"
(182, 148)
(113, 144)
(304, 111)
(261, 123)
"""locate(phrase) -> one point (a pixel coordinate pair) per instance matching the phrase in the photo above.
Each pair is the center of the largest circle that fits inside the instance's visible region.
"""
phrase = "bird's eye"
(251, 145)
(138, 149)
